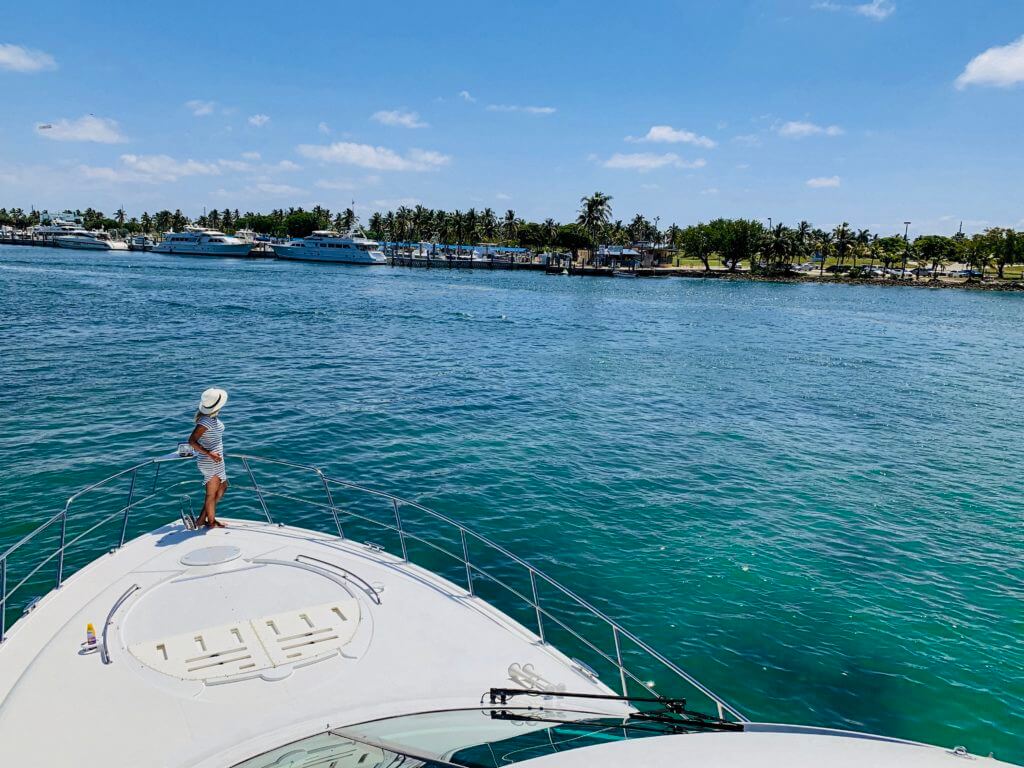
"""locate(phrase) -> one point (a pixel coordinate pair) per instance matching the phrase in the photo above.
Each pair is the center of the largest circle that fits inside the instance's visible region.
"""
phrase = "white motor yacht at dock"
(327, 245)
(198, 241)
(330, 624)
(85, 240)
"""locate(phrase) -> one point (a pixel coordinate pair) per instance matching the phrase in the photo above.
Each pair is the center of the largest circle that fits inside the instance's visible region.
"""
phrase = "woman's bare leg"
(220, 495)
(213, 493)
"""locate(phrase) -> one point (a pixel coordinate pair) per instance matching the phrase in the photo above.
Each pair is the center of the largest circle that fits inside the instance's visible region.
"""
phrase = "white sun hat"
(212, 400)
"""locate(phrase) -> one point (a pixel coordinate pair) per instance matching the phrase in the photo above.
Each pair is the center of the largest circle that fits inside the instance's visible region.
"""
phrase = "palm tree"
(550, 229)
(510, 225)
(595, 213)
(863, 238)
(824, 249)
(843, 241)
(488, 225)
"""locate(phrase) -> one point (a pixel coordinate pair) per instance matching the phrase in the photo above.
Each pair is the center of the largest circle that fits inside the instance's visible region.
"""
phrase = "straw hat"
(212, 400)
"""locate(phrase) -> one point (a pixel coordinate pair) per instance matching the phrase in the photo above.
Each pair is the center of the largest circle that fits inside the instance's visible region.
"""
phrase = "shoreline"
(652, 273)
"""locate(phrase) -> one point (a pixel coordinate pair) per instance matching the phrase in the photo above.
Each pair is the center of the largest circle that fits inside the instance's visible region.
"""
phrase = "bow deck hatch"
(248, 648)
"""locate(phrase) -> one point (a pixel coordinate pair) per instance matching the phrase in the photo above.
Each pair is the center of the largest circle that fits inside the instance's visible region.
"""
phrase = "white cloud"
(1001, 65)
(648, 161)
(277, 189)
(748, 140)
(234, 165)
(824, 182)
(502, 196)
(397, 202)
(259, 120)
(163, 167)
(251, 155)
(877, 10)
(398, 118)
(286, 165)
(465, 96)
(150, 169)
(375, 158)
(324, 128)
(710, 191)
(101, 130)
(666, 134)
(341, 184)
(518, 108)
(14, 58)
(200, 108)
(796, 129)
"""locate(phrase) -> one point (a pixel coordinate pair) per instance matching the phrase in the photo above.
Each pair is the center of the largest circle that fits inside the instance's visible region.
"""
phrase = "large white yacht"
(51, 226)
(87, 240)
(199, 241)
(327, 245)
(334, 625)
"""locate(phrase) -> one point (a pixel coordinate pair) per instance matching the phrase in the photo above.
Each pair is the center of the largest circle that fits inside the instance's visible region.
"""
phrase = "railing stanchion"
(618, 660)
(256, 487)
(128, 508)
(536, 606)
(465, 559)
(401, 531)
(63, 537)
(3, 598)
(330, 500)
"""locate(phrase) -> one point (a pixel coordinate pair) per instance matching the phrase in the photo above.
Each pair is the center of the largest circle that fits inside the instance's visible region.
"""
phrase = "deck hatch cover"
(244, 649)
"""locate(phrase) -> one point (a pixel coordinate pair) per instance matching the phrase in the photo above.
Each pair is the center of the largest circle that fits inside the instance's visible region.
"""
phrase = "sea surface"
(808, 496)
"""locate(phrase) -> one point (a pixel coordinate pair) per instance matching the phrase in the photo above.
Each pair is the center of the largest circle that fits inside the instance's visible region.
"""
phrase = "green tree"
(935, 250)
(301, 223)
(574, 237)
(696, 243)
(595, 213)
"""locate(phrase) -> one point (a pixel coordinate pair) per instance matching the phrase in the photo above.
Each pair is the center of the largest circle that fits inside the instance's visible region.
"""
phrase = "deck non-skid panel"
(246, 648)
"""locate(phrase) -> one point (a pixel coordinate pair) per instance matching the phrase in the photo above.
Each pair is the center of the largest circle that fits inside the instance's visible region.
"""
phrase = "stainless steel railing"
(542, 609)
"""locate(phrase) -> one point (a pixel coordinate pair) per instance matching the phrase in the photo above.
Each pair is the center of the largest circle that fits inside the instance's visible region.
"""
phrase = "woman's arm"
(193, 440)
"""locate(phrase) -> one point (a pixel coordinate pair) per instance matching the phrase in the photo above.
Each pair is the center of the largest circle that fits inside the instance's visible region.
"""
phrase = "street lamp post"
(906, 249)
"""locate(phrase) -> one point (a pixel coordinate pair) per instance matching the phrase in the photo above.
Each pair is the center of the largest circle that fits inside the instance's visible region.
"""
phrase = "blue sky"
(871, 112)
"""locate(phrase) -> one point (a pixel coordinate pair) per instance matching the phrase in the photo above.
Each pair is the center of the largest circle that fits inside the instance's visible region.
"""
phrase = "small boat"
(624, 273)
(84, 240)
(328, 245)
(199, 241)
(141, 243)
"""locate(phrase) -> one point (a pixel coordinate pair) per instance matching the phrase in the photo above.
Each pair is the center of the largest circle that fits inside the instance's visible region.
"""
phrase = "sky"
(873, 112)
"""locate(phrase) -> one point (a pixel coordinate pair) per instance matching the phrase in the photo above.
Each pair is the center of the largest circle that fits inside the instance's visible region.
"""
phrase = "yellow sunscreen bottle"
(90, 635)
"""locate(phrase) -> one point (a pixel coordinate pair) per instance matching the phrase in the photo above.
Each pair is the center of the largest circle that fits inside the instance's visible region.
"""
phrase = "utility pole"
(906, 248)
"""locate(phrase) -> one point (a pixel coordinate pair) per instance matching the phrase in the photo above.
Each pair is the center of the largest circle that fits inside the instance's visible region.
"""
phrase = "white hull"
(332, 255)
(82, 244)
(203, 249)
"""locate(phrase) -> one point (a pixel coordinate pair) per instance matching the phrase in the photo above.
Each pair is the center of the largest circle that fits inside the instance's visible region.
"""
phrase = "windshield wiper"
(670, 712)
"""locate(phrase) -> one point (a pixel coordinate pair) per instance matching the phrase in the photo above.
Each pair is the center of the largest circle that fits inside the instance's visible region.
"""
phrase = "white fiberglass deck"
(241, 639)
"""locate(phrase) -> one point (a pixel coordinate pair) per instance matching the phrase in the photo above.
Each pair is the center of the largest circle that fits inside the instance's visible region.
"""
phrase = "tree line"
(728, 242)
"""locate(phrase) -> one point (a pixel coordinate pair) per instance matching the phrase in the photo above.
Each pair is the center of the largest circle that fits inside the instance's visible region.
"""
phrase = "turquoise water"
(808, 496)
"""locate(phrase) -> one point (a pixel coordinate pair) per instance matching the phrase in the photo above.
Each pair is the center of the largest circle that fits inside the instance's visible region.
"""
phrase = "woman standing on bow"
(207, 440)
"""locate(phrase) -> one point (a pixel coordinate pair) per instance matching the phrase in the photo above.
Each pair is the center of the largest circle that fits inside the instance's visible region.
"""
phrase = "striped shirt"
(212, 440)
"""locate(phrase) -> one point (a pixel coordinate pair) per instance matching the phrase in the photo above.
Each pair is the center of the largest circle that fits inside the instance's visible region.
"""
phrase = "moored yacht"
(51, 226)
(86, 240)
(198, 241)
(327, 245)
(377, 633)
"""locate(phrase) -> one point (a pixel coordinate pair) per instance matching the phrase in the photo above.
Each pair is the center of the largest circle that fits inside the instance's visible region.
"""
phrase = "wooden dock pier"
(440, 262)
